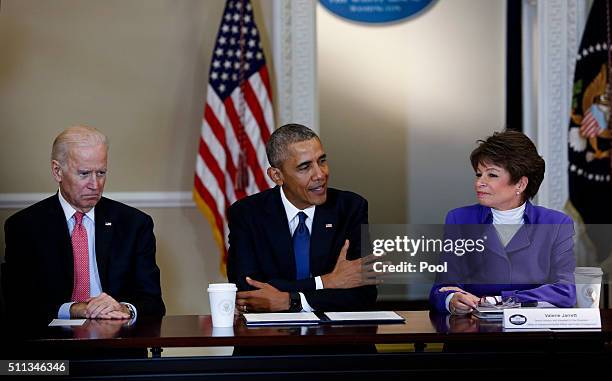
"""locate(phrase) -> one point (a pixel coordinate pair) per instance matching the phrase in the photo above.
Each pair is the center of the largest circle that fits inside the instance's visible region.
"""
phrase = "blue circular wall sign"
(375, 11)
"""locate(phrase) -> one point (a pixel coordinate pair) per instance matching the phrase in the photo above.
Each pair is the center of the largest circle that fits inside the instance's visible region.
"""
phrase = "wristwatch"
(132, 312)
(295, 302)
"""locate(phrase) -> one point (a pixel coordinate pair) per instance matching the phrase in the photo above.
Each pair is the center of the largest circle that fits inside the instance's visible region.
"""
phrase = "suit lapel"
(276, 226)
(60, 244)
(494, 244)
(324, 227)
(104, 237)
(485, 218)
(520, 240)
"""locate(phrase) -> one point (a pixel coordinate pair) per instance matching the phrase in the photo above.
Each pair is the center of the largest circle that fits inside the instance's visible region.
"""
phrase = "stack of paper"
(310, 318)
(489, 313)
(374, 317)
(497, 312)
(283, 318)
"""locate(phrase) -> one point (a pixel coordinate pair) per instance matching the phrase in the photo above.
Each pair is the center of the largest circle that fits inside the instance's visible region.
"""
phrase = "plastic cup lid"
(222, 287)
(588, 271)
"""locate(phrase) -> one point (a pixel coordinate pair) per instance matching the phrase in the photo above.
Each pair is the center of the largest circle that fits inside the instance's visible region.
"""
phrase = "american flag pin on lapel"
(108, 223)
(329, 225)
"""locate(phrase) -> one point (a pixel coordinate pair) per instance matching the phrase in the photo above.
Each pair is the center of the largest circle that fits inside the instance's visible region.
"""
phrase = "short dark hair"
(283, 137)
(517, 154)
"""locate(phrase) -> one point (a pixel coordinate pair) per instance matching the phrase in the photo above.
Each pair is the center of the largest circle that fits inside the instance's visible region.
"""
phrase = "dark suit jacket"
(261, 246)
(37, 275)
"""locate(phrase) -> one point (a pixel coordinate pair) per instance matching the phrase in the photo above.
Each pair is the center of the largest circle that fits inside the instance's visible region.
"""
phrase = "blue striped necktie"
(301, 248)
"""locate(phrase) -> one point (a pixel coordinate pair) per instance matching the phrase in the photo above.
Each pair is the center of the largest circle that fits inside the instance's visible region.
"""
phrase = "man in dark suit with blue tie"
(297, 246)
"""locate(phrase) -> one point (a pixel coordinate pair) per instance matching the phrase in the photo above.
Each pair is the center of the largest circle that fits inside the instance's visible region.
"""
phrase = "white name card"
(546, 318)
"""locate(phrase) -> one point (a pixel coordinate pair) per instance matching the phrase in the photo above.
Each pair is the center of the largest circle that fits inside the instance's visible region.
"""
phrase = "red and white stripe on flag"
(589, 124)
(237, 122)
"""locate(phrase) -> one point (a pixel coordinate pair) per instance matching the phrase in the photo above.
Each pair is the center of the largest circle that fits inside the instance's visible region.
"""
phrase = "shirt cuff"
(318, 284)
(64, 311)
(447, 301)
(305, 306)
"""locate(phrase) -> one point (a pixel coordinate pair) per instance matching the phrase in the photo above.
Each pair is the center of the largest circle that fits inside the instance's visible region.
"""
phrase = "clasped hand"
(102, 306)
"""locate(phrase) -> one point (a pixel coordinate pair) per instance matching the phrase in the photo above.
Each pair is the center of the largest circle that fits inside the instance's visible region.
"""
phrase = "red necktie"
(80, 253)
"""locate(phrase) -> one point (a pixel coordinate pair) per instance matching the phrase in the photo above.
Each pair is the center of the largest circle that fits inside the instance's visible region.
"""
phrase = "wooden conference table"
(463, 345)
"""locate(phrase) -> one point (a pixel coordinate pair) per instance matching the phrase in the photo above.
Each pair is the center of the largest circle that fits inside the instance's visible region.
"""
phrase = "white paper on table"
(67, 322)
(364, 316)
(282, 318)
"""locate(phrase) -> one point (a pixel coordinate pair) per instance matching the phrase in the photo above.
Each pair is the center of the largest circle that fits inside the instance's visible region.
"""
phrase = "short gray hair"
(282, 138)
(76, 135)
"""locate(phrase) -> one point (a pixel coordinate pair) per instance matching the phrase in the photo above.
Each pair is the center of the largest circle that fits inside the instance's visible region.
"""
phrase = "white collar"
(69, 211)
(512, 216)
(292, 211)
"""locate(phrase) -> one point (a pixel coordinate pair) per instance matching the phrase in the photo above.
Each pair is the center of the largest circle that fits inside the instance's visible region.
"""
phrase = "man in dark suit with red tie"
(297, 246)
(77, 254)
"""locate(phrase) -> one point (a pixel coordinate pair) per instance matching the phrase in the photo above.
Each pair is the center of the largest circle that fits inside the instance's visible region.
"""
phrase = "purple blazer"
(536, 265)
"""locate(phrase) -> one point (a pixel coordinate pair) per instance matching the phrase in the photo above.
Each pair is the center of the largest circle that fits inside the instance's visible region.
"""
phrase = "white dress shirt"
(294, 220)
(508, 222)
(89, 222)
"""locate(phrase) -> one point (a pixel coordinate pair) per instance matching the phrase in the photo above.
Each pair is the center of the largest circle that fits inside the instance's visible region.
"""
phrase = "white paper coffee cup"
(588, 286)
(222, 297)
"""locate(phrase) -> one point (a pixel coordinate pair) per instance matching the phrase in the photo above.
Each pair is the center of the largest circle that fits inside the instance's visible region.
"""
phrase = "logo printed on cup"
(226, 307)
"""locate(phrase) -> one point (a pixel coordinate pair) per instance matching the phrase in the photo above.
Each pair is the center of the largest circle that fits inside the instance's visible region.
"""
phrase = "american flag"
(589, 126)
(237, 123)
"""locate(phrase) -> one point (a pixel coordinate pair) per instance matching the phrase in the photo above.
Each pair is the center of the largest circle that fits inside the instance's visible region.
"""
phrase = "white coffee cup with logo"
(588, 286)
(222, 297)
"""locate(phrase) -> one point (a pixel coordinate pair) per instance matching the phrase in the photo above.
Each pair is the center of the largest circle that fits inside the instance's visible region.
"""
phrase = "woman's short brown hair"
(516, 153)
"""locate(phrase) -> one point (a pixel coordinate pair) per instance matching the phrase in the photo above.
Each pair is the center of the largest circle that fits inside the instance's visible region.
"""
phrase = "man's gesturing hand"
(350, 274)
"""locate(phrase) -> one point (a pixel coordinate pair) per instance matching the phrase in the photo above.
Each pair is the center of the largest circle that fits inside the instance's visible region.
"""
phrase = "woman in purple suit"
(528, 253)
